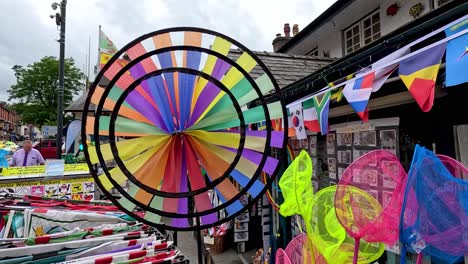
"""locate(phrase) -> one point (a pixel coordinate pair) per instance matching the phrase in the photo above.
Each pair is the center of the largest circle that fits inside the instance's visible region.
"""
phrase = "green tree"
(35, 89)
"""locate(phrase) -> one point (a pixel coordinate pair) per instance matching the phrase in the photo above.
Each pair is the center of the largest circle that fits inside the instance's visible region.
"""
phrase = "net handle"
(420, 258)
(356, 250)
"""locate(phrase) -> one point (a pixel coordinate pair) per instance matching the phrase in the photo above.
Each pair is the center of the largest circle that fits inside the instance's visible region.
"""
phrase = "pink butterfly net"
(281, 257)
(369, 197)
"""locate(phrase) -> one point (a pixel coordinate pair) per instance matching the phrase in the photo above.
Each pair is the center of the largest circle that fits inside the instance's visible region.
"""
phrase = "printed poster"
(8, 188)
(51, 189)
(77, 188)
(37, 190)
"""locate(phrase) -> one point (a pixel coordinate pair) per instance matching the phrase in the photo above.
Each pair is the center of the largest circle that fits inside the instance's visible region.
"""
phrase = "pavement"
(187, 244)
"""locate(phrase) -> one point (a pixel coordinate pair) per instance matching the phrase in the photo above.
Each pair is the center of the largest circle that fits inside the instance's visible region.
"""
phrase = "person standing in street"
(27, 156)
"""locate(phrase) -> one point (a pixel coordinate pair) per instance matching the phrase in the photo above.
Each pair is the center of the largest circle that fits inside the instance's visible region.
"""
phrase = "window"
(371, 28)
(353, 39)
(362, 33)
(442, 2)
(313, 52)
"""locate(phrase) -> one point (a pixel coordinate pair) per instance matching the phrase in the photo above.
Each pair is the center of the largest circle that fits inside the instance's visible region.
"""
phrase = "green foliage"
(35, 89)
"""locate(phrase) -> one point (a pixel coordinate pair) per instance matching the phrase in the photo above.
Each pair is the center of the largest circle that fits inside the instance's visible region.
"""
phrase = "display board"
(347, 142)
(71, 188)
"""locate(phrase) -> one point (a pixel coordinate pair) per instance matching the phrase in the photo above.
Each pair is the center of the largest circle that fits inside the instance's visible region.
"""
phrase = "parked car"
(47, 147)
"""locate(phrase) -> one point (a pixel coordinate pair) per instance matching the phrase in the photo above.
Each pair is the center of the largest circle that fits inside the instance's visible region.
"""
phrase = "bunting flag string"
(418, 71)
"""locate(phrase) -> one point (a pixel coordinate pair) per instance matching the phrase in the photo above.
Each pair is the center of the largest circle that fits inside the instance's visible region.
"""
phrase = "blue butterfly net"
(434, 219)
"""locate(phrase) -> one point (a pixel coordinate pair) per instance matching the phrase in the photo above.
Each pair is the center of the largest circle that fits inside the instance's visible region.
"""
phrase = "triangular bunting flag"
(381, 75)
(358, 92)
(322, 106)
(456, 59)
(419, 73)
(337, 94)
(276, 124)
(262, 126)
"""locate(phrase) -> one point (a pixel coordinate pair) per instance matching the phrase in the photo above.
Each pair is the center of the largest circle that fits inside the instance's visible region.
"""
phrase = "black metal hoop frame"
(187, 194)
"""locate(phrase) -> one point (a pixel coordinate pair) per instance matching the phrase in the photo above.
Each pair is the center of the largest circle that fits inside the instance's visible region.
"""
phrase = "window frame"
(437, 3)
(350, 35)
(312, 51)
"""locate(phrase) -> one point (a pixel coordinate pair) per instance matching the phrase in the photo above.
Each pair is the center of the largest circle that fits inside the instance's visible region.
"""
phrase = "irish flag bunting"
(322, 106)
(358, 93)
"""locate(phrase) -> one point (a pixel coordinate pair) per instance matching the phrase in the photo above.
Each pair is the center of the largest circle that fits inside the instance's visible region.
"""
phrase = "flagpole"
(89, 63)
(324, 90)
(97, 68)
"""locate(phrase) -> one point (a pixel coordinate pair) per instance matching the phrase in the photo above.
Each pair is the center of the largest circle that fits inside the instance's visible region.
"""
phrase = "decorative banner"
(74, 129)
(38, 171)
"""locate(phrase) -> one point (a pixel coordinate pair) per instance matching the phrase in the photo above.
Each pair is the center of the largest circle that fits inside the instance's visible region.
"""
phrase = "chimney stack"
(287, 30)
(279, 40)
(295, 29)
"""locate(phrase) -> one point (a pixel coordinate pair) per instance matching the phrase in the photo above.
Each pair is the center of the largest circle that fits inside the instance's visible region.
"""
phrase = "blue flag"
(457, 55)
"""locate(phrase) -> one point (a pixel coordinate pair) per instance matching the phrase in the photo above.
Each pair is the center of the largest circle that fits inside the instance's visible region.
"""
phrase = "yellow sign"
(79, 168)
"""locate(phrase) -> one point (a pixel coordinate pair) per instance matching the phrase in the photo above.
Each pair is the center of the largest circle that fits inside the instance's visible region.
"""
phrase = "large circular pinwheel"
(171, 112)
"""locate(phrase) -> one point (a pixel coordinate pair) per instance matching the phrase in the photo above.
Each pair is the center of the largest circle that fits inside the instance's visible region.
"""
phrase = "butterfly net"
(301, 251)
(281, 257)
(329, 236)
(434, 217)
(369, 197)
(454, 167)
(296, 186)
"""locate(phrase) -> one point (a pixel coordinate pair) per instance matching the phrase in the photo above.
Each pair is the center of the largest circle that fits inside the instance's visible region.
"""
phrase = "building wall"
(329, 37)
(403, 17)
(9, 120)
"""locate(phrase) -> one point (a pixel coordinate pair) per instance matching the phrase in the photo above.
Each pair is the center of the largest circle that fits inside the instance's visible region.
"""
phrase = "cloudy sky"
(28, 33)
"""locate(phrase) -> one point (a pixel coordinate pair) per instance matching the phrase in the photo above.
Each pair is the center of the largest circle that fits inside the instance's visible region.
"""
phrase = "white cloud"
(29, 34)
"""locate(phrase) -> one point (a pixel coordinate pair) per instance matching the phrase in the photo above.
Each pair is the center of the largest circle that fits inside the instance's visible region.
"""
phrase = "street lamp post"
(60, 21)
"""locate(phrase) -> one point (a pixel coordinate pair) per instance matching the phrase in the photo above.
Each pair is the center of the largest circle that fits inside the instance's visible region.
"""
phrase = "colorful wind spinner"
(172, 111)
